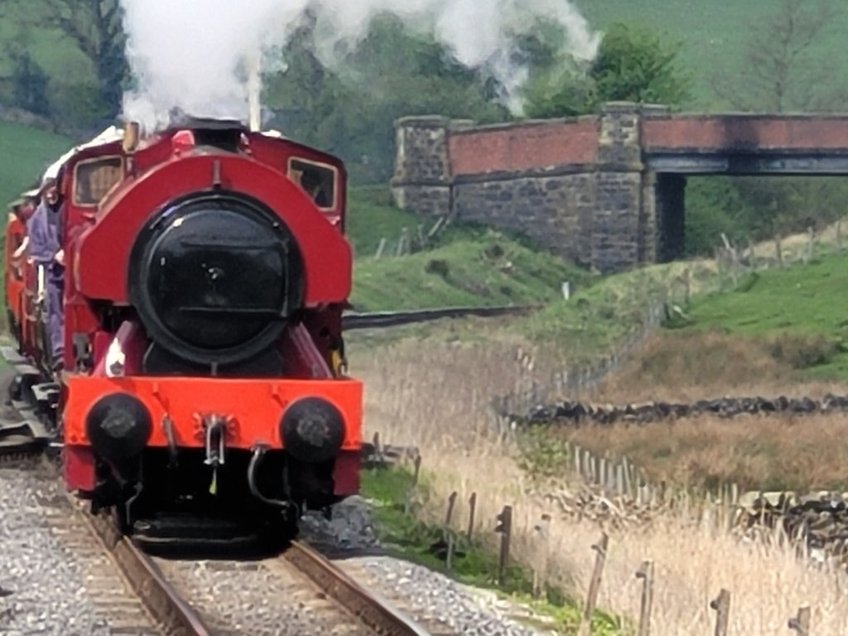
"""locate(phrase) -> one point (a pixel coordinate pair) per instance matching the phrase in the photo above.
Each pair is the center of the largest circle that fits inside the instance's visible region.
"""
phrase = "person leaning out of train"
(46, 251)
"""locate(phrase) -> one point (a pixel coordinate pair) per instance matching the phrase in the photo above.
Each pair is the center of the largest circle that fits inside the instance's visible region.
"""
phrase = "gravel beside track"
(54, 575)
(258, 598)
(431, 599)
(434, 601)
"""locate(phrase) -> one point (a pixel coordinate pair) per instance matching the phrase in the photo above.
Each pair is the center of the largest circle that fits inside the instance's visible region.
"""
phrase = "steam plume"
(193, 54)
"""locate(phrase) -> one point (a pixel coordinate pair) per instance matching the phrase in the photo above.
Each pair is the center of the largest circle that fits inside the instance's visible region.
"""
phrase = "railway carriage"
(203, 388)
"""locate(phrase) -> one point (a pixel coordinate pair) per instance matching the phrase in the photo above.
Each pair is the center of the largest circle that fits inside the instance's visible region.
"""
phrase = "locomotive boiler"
(202, 389)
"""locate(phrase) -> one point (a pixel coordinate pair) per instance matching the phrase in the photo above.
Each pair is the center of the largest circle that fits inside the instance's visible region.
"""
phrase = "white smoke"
(191, 54)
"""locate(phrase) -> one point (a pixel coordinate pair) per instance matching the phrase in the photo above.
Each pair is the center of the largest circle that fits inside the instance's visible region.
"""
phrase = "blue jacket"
(44, 240)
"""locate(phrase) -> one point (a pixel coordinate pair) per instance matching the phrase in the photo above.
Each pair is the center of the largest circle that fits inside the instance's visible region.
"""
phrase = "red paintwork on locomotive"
(21, 285)
(98, 244)
(14, 274)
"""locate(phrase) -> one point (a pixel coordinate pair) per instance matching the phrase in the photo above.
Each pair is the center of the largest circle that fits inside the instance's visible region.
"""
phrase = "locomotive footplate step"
(11, 355)
(191, 532)
(22, 436)
(46, 393)
(25, 369)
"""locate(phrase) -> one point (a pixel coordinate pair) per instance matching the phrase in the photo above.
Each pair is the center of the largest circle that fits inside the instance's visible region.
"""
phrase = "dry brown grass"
(694, 365)
(770, 452)
(437, 397)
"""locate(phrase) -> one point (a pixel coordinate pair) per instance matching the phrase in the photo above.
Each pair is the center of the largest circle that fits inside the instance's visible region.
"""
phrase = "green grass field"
(802, 311)
(24, 155)
(462, 266)
(488, 271)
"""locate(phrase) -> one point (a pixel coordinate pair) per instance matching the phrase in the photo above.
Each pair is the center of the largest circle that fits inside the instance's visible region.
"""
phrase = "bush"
(802, 351)
(438, 267)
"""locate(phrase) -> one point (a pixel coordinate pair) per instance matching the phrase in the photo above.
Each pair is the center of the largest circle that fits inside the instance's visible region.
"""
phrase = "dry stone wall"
(568, 412)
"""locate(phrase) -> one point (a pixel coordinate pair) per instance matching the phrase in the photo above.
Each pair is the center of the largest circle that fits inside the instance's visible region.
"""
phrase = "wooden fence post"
(504, 527)
(540, 569)
(594, 585)
(399, 246)
(451, 504)
(378, 453)
(472, 509)
(407, 505)
(380, 248)
(646, 573)
(451, 547)
(801, 623)
(811, 245)
(417, 472)
(722, 607)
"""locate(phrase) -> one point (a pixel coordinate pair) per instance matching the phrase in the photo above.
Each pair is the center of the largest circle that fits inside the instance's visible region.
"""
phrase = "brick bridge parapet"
(603, 190)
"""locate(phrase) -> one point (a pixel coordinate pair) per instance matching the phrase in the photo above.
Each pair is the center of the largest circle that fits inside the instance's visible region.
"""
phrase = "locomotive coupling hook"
(216, 437)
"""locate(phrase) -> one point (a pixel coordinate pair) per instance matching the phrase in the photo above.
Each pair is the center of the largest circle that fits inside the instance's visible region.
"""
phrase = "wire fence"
(411, 239)
(615, 485)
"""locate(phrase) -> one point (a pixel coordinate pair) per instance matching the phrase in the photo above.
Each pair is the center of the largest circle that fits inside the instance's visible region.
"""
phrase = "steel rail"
(378, 320)
(145, 579)
(374, 612)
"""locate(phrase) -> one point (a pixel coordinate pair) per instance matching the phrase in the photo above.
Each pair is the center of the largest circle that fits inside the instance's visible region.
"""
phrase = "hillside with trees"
(64, 68)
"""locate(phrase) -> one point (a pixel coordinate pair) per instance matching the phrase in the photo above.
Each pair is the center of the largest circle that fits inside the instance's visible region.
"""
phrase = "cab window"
(318, 180)
(93, 179)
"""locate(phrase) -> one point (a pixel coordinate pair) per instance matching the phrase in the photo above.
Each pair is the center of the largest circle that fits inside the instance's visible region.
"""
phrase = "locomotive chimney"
(130, 142)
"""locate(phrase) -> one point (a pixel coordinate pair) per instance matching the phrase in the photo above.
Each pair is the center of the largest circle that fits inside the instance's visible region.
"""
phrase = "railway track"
(297, 592)
(375, 613)
(171, 614)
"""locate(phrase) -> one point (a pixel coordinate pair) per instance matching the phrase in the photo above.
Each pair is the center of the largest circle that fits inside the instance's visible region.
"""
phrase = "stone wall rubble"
(569, 412)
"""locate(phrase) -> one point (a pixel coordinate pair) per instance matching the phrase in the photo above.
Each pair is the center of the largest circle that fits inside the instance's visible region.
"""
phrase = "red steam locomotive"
(202, 387)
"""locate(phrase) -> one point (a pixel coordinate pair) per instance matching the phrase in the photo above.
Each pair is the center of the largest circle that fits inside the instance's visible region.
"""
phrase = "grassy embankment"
(463, 266)
(780, 332)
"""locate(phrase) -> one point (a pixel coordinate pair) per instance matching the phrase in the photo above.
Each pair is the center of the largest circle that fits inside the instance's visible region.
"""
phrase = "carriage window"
(94, 178)
(318, 180)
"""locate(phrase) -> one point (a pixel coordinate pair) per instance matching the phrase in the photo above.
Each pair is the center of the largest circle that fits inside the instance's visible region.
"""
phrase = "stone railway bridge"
(603, 190)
